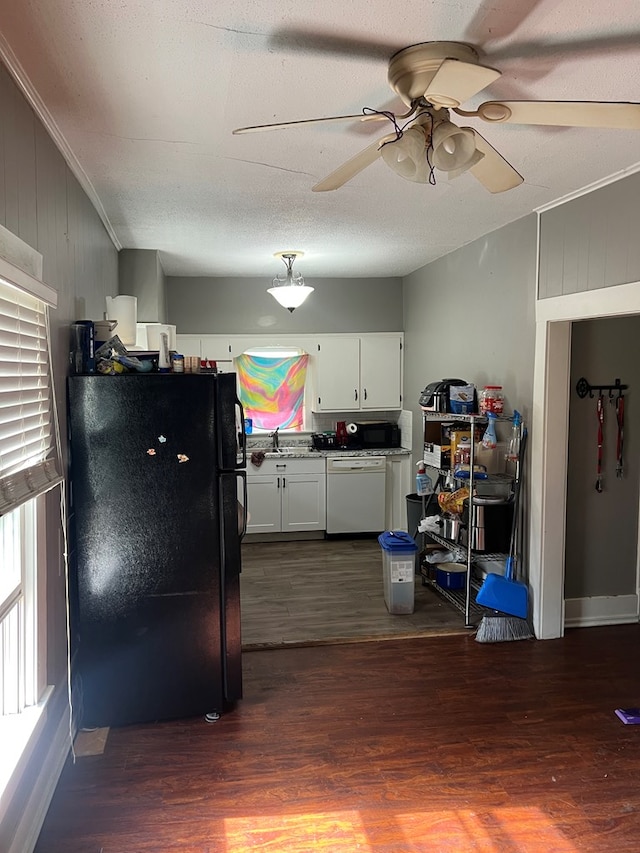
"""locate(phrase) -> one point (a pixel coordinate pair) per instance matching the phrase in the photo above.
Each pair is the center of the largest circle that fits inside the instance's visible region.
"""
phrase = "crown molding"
(596, 185)
(36, 103)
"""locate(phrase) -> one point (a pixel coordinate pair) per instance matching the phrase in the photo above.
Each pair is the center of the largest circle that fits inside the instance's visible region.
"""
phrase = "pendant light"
(289, 288)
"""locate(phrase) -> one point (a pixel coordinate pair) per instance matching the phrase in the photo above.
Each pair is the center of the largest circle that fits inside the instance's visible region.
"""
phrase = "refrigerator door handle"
(242, 436)
(243, 528)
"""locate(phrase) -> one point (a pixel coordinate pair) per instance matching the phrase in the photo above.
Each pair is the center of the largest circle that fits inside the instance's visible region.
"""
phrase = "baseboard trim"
(35, 810)
(601, 610)
(284, 537)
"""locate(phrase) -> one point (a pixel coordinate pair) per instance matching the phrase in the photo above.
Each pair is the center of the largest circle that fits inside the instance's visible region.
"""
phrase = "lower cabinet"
(286, 495)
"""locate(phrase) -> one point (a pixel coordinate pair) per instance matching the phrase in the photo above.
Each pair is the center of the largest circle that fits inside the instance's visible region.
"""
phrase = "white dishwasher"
(355, 494)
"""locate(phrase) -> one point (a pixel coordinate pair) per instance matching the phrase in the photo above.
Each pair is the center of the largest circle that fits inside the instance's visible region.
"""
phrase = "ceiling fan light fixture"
(454, 148)
(474, 160)
(406, 155)
(288, 288)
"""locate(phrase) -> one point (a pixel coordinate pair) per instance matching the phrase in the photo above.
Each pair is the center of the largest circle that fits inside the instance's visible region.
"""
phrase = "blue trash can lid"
(397, 540)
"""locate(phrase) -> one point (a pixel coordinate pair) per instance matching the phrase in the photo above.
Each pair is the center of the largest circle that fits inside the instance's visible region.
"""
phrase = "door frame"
(549, 439)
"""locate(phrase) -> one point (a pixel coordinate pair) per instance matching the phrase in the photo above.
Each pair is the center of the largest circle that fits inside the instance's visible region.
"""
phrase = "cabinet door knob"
(355, 394)
(365, 393)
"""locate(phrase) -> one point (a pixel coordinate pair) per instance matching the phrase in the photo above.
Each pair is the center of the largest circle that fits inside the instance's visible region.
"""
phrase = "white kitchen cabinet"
(338, 374)
(212, 347)
(380, 372)
(362, 373)
(188, 344)
(286, 495)
(398, 486)
(217, 348)
(264, 504)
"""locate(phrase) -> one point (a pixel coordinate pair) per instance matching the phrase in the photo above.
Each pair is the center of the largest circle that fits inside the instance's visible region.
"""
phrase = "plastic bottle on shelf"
(424, 486)
(489, 439)
(513, 449)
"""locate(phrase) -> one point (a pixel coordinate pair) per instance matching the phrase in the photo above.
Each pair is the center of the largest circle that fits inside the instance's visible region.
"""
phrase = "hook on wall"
(583, 387)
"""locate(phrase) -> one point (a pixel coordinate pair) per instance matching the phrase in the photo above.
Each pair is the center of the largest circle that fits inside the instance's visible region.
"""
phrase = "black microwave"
(378, 434)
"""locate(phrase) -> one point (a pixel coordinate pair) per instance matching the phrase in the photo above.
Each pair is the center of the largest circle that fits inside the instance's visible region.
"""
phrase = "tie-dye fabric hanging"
(272, 390)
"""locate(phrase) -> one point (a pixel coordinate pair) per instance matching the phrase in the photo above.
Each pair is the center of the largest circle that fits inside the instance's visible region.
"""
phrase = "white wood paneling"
(591, 241)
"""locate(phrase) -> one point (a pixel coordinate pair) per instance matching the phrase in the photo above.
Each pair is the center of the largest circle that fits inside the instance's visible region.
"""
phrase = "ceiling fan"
(433, 79)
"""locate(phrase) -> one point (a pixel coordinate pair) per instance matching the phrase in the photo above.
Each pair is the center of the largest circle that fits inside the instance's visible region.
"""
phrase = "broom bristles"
(503, 629)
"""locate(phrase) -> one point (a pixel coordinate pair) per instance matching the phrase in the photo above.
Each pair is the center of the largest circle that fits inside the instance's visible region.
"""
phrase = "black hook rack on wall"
(583, 388)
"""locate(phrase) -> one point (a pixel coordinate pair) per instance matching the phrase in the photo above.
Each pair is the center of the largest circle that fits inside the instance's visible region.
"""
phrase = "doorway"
(549, 440)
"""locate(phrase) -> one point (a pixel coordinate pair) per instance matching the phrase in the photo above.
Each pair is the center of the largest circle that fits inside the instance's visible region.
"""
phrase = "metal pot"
(490, 526)
(451, 527)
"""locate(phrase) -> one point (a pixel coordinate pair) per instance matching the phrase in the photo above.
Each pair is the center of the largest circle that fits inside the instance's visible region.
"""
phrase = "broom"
(505, 595)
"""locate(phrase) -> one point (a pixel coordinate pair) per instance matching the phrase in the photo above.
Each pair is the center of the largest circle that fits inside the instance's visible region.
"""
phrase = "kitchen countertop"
(310, 452)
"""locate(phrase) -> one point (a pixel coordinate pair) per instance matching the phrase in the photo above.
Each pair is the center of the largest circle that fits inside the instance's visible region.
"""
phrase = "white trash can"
(398, 570)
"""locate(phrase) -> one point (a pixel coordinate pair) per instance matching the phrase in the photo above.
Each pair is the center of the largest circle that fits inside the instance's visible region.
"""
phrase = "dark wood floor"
(422, 745)
(329, 590)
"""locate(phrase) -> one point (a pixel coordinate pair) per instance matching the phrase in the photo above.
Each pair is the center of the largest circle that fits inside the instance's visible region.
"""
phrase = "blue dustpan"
(504, 593)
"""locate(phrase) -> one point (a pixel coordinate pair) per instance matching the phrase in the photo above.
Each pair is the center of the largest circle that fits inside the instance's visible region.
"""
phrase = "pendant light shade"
(454, 148)
(289, 288)
(407, 155)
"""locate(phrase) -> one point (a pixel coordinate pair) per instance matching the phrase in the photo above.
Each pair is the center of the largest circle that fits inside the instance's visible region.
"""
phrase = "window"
(28, 468)
(18, 606)
(271, 388)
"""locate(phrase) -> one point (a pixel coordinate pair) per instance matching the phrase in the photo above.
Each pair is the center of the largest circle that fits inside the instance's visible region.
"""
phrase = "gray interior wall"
(602, 529)
(141, 275)
(471, 314)
(591, 241)
(242, 305)
(42, 203)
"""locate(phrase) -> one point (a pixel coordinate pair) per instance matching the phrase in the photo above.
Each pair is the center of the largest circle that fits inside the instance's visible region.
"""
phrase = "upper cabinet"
(211, 347)
(347, 373)
(381, 372)
(358, 373)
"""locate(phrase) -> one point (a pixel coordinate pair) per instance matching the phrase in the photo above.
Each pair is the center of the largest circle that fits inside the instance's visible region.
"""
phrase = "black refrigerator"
(155, 524)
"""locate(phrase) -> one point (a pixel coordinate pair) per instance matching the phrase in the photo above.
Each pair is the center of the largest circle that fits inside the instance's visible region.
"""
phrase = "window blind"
(28, 455)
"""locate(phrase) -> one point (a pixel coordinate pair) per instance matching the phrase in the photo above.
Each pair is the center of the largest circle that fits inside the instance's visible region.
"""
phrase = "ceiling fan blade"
(493, 171)
(577, 47)
(561, 113)
(326, 43)
(353, 166)
(285, 124)
(455, 82)
(491, 23)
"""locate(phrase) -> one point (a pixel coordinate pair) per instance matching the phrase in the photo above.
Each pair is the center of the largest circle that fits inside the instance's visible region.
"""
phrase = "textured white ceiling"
(147, 92)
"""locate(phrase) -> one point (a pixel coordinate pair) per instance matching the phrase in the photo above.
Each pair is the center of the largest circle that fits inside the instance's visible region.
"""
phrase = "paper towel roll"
(124, 309)
(352, 429)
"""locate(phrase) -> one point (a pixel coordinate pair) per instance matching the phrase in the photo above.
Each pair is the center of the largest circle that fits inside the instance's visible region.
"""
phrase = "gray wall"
(591, 241)
(471, 315)
(602, 529)
(141, 275)
(242, 305)
(42, 203)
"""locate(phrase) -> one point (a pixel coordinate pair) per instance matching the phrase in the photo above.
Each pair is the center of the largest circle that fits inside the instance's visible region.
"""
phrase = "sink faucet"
(274, 436)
